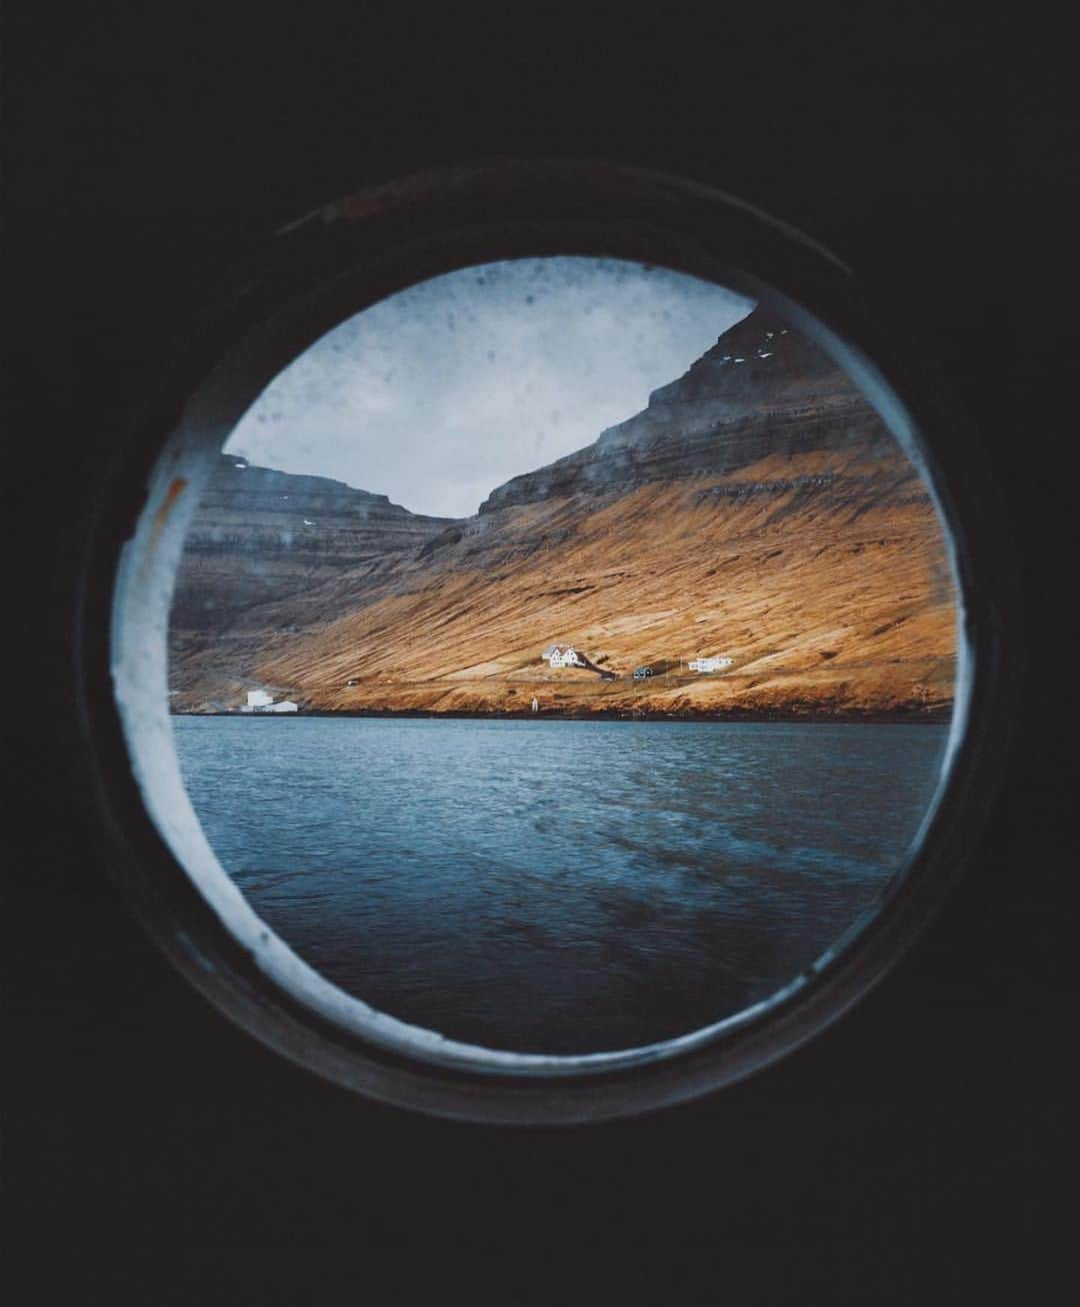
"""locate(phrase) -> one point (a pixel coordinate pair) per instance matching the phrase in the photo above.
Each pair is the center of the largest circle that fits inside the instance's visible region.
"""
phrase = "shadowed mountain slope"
(756, 509)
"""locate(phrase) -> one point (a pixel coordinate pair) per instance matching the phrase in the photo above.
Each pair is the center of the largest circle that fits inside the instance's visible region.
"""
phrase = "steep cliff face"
(260, 535)
(263, 547)
(762, 389)
(756, 509)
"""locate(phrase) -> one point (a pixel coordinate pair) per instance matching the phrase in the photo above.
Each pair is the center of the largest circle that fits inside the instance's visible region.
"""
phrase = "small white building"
(260, 701)
(562, 655)
(712, 664)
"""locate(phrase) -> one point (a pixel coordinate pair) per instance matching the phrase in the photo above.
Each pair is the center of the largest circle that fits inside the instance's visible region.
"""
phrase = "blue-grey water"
(558, 886)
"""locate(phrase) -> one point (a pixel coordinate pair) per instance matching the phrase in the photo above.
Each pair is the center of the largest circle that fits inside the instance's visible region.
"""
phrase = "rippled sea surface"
(556, 886)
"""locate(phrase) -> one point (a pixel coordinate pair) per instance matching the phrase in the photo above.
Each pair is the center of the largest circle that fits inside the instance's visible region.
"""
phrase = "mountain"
(757, 508)
(762, 389)
(269, 553)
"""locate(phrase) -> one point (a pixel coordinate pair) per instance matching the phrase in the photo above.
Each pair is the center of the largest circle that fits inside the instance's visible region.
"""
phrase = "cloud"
(442, 392)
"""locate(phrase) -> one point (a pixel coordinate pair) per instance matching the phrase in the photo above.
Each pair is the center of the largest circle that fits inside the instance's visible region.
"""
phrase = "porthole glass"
(562, 654)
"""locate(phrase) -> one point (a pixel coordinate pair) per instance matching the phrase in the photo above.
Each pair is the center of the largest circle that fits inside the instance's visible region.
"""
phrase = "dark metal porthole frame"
(313, 274)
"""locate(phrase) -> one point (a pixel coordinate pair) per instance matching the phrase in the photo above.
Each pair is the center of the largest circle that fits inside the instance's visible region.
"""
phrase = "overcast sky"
(439, 394)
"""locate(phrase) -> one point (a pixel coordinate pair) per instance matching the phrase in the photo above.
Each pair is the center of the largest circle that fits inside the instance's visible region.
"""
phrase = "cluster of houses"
(261, 702)
(565, 655)
(556, 656)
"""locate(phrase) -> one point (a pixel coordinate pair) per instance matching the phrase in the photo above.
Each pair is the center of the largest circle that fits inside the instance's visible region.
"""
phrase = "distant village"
(565, 655)
(557, 656)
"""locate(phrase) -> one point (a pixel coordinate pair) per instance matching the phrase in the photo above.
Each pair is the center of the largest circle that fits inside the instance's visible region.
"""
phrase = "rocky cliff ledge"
(762, 389)
(270, 554)
(260, 535)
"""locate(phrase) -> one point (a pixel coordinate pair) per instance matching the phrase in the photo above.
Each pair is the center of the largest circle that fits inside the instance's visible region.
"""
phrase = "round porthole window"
(545, 646)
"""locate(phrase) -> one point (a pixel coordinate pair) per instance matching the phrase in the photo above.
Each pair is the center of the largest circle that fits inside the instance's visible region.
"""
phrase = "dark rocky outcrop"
(761, 389)
(260, 536)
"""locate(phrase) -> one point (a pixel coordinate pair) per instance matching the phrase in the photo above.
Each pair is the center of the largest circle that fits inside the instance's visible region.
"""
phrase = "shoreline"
(901, 717)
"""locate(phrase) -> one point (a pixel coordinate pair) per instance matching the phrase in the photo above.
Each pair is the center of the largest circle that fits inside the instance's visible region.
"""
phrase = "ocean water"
(557, 886)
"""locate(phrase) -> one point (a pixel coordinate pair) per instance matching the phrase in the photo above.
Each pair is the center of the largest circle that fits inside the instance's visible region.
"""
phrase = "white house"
(562, 655)
(260, 701)
(712, 664)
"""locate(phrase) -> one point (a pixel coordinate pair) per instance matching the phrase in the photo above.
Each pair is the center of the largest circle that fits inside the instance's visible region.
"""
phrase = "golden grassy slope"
(832, 595)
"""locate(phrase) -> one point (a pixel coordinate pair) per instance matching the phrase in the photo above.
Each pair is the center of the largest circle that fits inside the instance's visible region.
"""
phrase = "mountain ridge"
(711, 418)
(757, 507)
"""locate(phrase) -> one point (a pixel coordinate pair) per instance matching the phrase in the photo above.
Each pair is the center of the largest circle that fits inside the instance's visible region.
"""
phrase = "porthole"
(601, 720)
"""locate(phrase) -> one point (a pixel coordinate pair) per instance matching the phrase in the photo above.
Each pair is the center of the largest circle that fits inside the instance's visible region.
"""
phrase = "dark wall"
(154, 1153)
